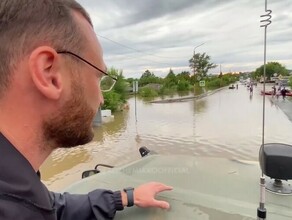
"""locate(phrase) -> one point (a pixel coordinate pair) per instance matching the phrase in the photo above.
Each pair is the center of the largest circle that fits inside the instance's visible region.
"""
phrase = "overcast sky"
(137, 35)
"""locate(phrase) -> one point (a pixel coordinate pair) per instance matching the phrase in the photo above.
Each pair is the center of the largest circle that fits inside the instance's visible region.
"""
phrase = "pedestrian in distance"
(284, 92)
(274, 91)
(251, 89)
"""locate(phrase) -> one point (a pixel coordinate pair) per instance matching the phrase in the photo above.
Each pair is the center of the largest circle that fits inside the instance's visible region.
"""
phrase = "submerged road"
(284, 105)
(225, 124)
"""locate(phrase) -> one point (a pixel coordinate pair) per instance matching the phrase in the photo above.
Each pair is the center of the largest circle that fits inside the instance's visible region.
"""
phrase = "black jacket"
(24, 197)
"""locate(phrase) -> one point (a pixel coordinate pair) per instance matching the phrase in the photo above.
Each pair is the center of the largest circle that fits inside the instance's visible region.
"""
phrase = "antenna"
(261, 211)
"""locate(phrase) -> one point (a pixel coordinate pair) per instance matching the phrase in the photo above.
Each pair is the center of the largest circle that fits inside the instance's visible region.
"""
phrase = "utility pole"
(195, 68)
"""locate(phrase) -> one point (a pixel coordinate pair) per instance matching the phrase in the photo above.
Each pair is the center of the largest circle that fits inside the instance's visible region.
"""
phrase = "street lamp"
(198, 46)
(195, 68)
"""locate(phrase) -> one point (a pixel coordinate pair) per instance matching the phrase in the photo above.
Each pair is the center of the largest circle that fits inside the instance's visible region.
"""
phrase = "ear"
(44, 66)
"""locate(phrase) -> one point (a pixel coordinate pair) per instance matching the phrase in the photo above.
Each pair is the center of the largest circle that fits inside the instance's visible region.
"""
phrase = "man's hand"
(144, 195)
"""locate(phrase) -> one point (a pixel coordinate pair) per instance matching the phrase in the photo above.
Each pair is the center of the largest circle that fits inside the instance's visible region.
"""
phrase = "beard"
(72, 125)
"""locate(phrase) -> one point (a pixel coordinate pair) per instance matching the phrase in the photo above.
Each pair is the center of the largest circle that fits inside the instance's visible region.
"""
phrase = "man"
(50, 70)
(274, 91)
(251, 89)
(284, 92)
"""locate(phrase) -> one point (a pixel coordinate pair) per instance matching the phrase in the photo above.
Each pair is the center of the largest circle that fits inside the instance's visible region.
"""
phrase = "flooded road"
(226, 124)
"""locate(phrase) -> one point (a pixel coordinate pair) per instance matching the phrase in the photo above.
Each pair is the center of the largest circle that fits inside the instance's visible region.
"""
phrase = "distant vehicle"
(262, 79)
(289, 93)
(282, 82)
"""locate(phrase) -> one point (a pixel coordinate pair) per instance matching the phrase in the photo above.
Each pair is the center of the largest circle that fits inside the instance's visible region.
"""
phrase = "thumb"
(161, 204)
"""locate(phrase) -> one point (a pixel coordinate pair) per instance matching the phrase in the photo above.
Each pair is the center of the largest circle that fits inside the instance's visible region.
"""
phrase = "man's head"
(65, 89)
(28, 24)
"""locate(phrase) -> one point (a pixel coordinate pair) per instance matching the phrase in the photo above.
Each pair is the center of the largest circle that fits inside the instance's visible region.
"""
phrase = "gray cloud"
(170, 29)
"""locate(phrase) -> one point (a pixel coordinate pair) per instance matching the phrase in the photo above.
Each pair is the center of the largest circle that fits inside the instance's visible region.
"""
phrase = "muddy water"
(225, 124)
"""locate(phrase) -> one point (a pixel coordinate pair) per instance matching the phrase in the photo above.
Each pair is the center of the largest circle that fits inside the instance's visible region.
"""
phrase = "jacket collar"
(17, 176)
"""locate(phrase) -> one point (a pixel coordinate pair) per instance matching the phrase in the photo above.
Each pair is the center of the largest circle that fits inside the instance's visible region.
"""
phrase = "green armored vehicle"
(202, 191)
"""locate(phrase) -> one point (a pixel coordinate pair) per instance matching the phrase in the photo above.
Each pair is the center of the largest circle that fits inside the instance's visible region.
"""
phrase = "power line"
(134, 57)
(131, 48)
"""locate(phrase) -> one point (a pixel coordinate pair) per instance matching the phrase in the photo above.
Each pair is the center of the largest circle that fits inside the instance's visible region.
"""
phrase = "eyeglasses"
(106, 82)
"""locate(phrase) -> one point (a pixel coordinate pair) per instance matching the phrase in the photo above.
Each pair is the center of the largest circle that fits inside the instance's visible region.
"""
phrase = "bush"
(121, 88)
(112, 101)
(183, 85)
(167, 91)
(147, 92)
(215, 83)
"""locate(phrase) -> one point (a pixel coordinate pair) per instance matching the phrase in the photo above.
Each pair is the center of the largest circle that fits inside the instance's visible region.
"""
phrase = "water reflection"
(147, 100)
(226, 124)
(183, 93)
(250, 96)
(114, 127)
(200, 106)
(72, 162)
(63, 160)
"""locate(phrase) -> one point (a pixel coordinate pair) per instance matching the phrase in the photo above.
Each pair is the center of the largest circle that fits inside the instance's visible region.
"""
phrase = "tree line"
(151, 85)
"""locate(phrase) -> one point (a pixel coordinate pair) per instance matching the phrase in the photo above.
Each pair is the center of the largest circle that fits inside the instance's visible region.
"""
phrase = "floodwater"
(225, 124)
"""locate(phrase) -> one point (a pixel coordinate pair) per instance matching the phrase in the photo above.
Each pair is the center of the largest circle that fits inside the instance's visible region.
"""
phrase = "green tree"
(217, 81)
(183, 85)
(147, 74)
(170, 80)
(184, 75)
(130, 80)
(200, 64)
(117, 97)
(121, 84)
(112, 101)
(148, 92)
(121, 87)
(271, 69)
(148, 77)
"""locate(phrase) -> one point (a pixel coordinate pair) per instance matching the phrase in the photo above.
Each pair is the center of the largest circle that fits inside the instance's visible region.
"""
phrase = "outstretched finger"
(161, 187)
(161, 204)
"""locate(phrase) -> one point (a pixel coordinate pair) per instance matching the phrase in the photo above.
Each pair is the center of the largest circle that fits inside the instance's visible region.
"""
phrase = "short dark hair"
(27, 24)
